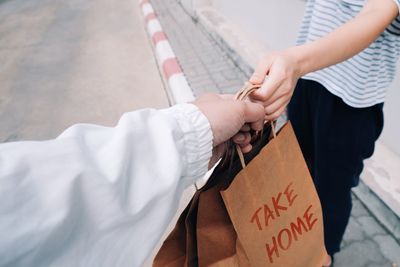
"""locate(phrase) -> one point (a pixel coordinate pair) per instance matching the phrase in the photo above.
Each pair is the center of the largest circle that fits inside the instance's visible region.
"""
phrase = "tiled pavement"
(208, 68)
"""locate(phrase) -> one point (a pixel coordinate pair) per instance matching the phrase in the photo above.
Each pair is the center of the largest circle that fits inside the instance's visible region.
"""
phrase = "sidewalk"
(208, 67)
(65, 62)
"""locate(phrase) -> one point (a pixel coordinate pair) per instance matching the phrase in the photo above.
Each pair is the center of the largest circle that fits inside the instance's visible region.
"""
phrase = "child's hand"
(278, 73)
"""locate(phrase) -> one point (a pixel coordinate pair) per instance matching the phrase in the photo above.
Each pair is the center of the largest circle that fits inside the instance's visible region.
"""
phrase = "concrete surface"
(383, 214)
(208, 67)
(64, 62)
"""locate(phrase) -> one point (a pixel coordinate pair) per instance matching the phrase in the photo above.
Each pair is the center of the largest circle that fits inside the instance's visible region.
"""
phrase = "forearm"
(347, 40)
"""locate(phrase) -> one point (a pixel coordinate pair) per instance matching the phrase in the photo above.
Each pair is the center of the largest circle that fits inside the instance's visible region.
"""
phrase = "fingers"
(258, 125)
(273, 116)
(253, 116)
(261, 71)
(243, 140)
(269, 84)
(269, 88)
(282, 75)
(253, 113)
(278, 93)
(275, 106)
(247, 148)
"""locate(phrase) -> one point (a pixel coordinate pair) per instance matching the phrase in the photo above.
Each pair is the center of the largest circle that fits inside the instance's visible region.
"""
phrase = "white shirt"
(362, 80)
(99, 196)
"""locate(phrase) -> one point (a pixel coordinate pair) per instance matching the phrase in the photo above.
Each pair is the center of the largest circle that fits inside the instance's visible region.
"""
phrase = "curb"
(167, 61)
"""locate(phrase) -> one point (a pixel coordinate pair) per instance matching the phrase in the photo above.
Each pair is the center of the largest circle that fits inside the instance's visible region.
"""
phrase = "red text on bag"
(279, 203)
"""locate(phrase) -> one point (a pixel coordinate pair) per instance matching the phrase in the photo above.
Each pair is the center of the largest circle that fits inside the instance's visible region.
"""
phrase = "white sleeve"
(99, 196)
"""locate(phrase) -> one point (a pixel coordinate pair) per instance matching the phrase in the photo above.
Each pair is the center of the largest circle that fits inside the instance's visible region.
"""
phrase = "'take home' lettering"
(284, 239)
(279, 203)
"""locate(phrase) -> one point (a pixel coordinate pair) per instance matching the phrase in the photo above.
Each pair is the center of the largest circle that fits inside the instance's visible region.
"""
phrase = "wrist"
(301, 59)
(196, 137)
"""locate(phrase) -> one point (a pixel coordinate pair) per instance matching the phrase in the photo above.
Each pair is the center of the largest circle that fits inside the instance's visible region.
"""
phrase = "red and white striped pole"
(177, 82)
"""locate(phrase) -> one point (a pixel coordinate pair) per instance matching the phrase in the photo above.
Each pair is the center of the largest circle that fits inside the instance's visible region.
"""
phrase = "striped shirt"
(362, 80)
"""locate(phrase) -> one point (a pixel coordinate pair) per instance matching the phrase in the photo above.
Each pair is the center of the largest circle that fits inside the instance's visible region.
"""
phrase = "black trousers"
(335, 139)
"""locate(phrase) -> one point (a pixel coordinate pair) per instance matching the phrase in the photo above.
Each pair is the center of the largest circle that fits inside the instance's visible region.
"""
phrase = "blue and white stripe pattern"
(362, 80)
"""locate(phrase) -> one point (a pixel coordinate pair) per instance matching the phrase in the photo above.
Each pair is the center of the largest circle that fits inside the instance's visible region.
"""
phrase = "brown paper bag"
(275, 208)
(180, 247)
(217, 243)
(204, 234)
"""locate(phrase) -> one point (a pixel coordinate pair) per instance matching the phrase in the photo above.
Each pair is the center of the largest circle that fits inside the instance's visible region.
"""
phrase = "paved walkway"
(208, 68)
(64, 62)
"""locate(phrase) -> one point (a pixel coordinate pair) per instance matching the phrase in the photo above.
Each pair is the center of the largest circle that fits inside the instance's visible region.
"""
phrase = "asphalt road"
(64, 62)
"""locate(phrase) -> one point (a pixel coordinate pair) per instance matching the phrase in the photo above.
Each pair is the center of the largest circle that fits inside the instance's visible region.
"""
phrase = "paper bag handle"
(242, 94)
